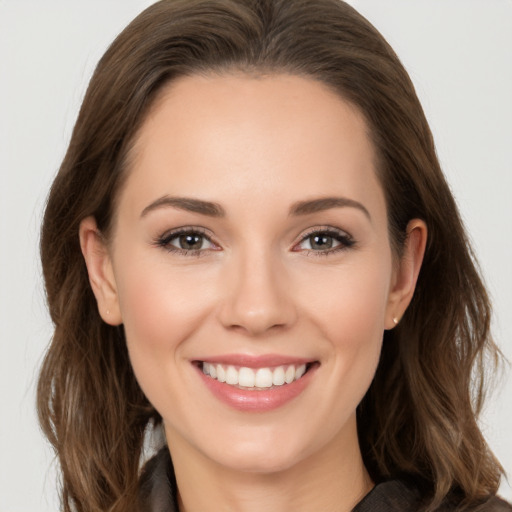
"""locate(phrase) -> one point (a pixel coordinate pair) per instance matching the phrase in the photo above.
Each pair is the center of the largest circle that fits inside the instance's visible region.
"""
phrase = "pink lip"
(261, 400)
(263, 361)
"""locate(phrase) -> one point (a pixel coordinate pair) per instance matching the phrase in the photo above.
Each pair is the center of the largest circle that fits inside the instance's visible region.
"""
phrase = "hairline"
(252, 71)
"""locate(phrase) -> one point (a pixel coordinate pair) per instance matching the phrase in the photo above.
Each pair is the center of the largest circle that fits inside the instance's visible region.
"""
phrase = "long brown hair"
(419, 415)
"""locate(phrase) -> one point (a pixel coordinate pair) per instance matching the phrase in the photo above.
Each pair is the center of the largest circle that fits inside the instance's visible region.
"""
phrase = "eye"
(319, 242)
(186, 241)
(323, 241)
(190, 242)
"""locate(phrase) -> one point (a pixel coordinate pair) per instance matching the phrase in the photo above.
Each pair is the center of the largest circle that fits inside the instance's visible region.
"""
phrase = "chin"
(259, 463)
(264, 457)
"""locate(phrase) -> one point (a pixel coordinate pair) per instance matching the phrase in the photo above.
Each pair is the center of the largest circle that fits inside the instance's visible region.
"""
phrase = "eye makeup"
(324, 241)
(186, 241)
(196, 241)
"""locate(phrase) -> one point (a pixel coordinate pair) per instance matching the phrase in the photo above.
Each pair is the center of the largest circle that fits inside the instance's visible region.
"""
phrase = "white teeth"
(250, 378)
(278, 376)
(299, 372)
(289, 375)
(231, 376)
(221, 373)
(263, 378)
(246, 377)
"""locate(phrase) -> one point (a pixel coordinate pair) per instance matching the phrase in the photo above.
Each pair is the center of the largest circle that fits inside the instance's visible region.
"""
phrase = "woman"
(250, 243)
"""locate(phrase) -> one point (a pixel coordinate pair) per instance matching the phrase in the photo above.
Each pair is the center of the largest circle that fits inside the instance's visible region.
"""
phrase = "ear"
(101, 274)
(406, 273)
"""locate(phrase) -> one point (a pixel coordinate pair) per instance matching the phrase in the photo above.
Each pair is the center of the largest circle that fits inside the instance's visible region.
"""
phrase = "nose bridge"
(257, 297)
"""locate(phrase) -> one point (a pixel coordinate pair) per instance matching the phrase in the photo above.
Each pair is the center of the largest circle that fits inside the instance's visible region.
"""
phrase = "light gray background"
(459, 54)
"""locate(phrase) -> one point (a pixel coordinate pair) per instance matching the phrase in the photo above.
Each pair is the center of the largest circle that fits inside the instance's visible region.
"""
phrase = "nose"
(257, 297)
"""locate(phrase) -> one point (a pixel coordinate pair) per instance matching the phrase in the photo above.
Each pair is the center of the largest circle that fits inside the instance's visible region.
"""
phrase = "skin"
(256, 147)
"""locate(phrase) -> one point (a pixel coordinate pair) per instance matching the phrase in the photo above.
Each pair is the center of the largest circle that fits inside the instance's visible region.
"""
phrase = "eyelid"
(185, 229)
(165, 238)
(346, 240)
(324, 229)
(343, 237)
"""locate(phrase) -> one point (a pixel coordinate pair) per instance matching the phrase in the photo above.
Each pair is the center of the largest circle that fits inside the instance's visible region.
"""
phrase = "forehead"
(215, 136)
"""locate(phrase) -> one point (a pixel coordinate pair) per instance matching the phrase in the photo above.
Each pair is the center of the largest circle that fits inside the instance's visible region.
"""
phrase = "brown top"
(158, 493)
(404, 495)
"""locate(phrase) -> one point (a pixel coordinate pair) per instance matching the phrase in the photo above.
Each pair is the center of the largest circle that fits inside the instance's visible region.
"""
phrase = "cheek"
(350, 303)
(351, 317)
(160, 307)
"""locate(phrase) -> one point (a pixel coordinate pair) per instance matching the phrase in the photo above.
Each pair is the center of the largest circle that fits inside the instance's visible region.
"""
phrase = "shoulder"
(406, 495)
(157, 493)
(391, 496)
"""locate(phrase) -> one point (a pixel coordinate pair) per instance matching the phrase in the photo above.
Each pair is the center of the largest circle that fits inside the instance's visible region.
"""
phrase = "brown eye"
(189, 241)
(325, 242)
(321, 242)
(184, 242)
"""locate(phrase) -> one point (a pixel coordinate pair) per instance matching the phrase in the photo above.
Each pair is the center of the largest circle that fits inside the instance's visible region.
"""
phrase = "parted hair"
(419, 416)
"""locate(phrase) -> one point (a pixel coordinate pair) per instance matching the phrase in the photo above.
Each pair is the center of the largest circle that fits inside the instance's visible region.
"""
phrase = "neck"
(333, 479)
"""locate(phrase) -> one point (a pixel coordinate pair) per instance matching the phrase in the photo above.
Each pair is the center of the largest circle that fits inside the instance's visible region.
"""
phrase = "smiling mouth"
(265, 378)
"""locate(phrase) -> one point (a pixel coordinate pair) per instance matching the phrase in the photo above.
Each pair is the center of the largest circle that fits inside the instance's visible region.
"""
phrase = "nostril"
(256, 300)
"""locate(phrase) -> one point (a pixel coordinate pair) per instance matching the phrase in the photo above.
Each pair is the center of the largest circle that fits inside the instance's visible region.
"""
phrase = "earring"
(395, 320)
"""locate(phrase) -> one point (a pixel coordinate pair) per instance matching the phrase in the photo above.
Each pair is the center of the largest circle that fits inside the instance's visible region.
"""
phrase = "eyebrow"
(188, 204)
(326, 203)
(212, 209)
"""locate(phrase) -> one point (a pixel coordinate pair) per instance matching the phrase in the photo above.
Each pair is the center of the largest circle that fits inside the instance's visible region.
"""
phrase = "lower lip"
(257, 400)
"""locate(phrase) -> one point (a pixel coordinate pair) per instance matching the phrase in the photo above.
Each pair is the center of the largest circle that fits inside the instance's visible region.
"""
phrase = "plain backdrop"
(459, 55)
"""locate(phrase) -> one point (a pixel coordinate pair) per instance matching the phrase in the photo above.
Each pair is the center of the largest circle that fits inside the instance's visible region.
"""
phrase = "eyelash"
(164, 241)
(344, 239)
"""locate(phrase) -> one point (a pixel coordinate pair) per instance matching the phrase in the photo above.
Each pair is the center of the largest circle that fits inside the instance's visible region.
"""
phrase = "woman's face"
(251, 244)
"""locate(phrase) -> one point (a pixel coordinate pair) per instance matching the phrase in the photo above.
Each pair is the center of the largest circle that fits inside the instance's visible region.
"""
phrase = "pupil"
(189, 242)
(321, 242)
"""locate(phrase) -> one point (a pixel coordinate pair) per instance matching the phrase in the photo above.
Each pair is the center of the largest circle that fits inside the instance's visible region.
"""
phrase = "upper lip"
(252, 361)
